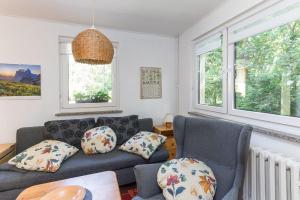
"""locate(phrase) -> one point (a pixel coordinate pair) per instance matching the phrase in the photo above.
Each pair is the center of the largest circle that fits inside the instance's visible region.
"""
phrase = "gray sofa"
(13, 180)
(223, 146)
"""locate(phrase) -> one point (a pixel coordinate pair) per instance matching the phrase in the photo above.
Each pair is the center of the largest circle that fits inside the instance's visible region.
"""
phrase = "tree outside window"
(267, 71)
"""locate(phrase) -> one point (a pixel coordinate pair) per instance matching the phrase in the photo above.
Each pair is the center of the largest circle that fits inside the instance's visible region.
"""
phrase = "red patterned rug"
(129, 194)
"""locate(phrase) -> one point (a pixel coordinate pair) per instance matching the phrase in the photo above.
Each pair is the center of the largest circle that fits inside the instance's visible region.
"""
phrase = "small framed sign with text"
(151, 83)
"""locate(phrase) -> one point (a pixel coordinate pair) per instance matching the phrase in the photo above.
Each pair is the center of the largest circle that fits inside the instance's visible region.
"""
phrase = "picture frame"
(20, 81)
(150, 82)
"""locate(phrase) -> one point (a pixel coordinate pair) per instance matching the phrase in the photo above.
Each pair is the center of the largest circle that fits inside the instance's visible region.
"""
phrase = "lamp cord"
(93, 13)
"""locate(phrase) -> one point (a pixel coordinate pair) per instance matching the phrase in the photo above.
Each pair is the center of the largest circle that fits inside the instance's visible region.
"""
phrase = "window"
(209, 54)
(264, 57)
(267, 71)
(84, 85)
(261, 53)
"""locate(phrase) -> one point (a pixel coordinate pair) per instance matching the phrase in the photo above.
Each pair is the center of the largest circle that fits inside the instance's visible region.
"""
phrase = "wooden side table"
(7, 151)
(170, 144)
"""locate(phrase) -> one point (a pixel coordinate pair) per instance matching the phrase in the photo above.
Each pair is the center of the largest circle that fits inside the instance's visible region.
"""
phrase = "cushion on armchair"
(68, 131)
(124, 127)
(185, 178)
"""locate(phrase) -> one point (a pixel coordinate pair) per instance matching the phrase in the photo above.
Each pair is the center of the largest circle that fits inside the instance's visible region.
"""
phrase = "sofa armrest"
(27, 137)
(146, 179)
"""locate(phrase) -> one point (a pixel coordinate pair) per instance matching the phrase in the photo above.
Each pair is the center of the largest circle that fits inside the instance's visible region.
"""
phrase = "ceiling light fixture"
(92, 47)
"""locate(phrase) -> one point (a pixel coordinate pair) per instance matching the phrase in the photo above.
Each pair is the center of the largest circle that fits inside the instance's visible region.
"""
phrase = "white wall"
(30, 41)
(227, 11)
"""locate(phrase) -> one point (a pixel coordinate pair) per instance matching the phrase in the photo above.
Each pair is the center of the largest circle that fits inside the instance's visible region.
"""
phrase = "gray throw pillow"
(124, 127)
(68, 131)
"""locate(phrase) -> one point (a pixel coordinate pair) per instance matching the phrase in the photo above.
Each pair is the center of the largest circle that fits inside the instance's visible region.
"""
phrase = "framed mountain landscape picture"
(20, 81)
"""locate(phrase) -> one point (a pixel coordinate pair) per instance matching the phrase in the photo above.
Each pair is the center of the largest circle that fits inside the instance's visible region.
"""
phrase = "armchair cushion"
(146, 180)
(186, 178)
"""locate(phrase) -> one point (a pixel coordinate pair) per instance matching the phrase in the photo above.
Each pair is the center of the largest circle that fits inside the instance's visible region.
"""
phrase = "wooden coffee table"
(103, 186)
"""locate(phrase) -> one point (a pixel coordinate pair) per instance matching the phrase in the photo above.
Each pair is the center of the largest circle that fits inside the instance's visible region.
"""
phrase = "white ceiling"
(164, 17)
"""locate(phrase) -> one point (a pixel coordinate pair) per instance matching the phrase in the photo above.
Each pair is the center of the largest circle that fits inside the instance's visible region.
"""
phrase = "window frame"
(64, 82)
(286, 120)
(268, 117)
(229, 109)
(195, 88)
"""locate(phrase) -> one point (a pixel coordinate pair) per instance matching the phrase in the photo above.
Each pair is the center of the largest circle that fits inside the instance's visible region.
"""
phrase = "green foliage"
(272, 59)
(97, 97)
(80, 97)
(213, 79)
(10, 88)
(89, 83)
(100, 96)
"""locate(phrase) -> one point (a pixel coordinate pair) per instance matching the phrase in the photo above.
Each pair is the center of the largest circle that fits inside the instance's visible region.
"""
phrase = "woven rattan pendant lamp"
(92, 47)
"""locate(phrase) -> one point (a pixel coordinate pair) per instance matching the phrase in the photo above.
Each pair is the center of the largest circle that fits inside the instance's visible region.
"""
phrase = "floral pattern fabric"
(185, 178)
(46, 156)
(143, 143)
(98, 140)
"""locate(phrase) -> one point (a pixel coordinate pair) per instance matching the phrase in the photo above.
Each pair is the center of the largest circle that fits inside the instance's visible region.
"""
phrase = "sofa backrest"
(29, 136)
(222, 145)
(125, 127)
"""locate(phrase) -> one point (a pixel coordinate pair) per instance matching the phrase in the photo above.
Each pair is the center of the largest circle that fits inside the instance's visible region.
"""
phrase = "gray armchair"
(222, 145)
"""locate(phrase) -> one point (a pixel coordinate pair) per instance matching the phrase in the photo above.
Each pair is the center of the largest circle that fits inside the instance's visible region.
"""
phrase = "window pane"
(267, 71)
(210, 75)
(89, 83)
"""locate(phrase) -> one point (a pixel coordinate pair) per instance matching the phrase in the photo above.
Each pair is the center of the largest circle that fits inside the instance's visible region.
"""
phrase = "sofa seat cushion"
(78, 165)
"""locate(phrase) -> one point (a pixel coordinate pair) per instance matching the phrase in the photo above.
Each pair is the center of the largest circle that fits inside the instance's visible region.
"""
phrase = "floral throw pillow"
(185, 178)
(143, 143)
(98, 140)
(46, 156)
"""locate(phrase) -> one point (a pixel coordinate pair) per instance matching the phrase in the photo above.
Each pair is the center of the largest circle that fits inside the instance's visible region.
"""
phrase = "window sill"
(257, 129)
(61, 114)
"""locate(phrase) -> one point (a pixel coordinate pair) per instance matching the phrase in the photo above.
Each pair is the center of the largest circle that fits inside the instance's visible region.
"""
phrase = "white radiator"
(271, 176)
